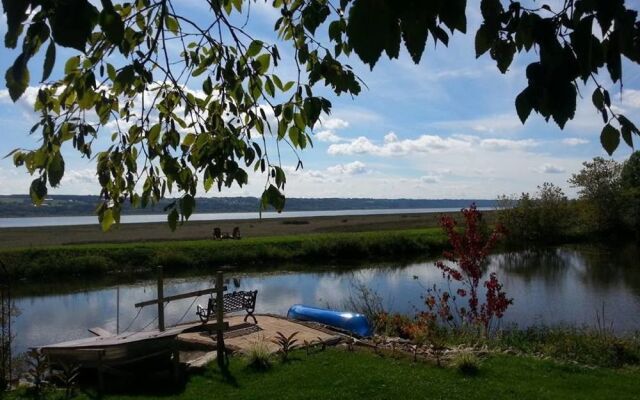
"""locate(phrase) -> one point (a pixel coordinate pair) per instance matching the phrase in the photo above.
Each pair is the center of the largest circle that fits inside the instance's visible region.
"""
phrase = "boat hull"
(355, 323)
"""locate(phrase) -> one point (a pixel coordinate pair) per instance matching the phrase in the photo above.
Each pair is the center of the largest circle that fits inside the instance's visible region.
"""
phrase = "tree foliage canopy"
(129, 83)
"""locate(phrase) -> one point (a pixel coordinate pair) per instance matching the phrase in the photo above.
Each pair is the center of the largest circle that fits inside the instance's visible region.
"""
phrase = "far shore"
(199, 230)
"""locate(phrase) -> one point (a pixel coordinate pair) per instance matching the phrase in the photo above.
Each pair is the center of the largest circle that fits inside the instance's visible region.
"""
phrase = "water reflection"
(552, 286)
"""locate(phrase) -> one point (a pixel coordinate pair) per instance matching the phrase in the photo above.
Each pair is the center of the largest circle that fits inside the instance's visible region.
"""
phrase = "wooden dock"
(127, 347)
(108, 350)
(205, 341)
(241, 336)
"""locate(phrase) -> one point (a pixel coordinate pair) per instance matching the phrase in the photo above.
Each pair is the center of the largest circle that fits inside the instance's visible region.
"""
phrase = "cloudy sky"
(446, 128)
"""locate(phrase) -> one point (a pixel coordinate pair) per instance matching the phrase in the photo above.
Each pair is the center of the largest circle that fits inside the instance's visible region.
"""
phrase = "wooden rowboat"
(128, 347)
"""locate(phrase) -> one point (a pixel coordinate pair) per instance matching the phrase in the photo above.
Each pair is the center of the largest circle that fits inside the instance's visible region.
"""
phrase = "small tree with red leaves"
(464, 267)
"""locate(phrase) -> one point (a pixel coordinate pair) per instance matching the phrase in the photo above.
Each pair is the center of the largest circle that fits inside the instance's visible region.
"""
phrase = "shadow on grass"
(221, 373)
(140, 383)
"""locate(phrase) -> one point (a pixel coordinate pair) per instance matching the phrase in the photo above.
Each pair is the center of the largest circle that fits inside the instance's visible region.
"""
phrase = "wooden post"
(100, 376)
(160, 299)
(118, 310)
(175, 358)
(220, 348)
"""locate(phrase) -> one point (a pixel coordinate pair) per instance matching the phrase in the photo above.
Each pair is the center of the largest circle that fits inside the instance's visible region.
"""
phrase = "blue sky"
(446, 128)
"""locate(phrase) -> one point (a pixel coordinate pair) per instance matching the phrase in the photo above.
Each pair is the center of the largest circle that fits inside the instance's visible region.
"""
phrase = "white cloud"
(85, 176)
(631, 98)
(422, 144)
(330, 125)
(429, 144)
(495, 124)
(334, 123)
(508, 145)
(551, 169)
(390, 137)
(25, 102)
(574, 141)
(353, 168)
(430, 179)
(328, 136)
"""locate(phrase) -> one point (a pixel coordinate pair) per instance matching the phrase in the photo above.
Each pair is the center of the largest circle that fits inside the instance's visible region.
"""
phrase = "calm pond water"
(563, 285)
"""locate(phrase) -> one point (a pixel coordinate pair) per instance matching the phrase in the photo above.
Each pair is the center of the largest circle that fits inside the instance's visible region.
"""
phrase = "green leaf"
(598, 99)
(367, 29)
(37, 34)
(187, 205)
(207, 86)
(55, 170)
(625, 131)
(172, 218)
(38, 190)
(415, 24)
(254, 48)
(523, 105)
(272, 196)
(503, 52)
(107, 219)
(269, 87)
(154, 133)
(172, 24)
(72, 64)
(610, 138)
(264, 61)
(483, 40)
(16, 14)
(111, 23)
(288, 86)
(313, 15)
(72, 23)
(562, 101)
(453, 15)
(614, 61)
(49, 61)
(335, 30)
(440, 34)
(17, 78)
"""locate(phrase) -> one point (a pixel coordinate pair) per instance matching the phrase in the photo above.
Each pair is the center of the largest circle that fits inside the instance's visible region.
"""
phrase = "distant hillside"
(21, 206)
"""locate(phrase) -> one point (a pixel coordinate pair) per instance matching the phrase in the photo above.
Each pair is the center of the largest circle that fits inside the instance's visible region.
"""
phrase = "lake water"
(563, 285)
(24, 222)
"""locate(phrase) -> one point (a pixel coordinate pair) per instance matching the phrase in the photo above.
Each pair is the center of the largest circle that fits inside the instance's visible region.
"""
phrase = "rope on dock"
(188, 309)
(133, 320)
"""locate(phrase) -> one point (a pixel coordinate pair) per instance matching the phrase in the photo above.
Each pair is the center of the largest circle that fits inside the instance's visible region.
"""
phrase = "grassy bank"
(336, 374)
(84, 260)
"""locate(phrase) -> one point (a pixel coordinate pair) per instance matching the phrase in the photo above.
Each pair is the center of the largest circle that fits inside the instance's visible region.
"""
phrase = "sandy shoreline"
(197, 230)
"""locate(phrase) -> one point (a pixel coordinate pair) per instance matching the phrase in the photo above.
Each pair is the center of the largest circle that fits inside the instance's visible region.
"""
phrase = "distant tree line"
(72, 205)
(608, 203)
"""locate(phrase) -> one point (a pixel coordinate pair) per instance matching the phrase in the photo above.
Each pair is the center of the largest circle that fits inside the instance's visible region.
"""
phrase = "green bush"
(580, 345)
(467, 363)
(544, 218)
(258, 355)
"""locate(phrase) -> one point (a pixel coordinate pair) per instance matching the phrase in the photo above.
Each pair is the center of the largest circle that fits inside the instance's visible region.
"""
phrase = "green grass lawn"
(338, 374)
(63, 261)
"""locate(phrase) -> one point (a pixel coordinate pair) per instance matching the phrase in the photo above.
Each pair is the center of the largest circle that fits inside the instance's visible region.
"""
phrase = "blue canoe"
(348, 321)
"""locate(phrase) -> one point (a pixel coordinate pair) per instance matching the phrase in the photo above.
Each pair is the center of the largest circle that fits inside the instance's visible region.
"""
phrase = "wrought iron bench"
(232, 302)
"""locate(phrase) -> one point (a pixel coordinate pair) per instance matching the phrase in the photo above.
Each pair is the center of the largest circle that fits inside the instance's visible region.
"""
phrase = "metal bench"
(232, 302)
